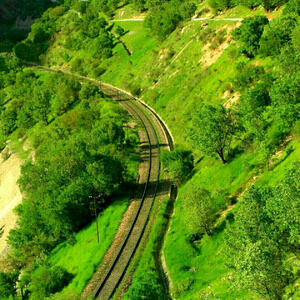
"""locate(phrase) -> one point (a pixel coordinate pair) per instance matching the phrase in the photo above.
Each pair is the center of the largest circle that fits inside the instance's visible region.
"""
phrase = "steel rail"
(111, 269)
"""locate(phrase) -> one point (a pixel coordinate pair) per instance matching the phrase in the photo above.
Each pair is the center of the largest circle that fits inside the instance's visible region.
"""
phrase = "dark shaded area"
(16, 18)
(10, 10)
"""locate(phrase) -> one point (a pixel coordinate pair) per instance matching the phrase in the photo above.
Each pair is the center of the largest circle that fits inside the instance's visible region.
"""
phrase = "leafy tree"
(8, 121)
(201, 209)
(253, 251)
(221, 4)
(106, 174)
(250, 3)
(289, 58)
(285, 95)
(213, 129)
(101, 46)
(284, 209)
(251, 107)
(271, 4)
(163, 19)
(8, 284)
(139, 5)
(276, 35)
(265, 231)
(46, 281)
(178, 164)
(249, 33)
(292, 7)
(120, 31)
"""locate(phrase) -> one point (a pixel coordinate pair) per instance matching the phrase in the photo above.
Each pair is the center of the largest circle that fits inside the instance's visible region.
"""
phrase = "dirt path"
(193, 19)
(10, 196)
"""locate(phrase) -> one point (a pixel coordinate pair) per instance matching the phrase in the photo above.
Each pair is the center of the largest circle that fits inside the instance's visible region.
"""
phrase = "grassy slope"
(82, 258)
(203, 266)
(184, 83)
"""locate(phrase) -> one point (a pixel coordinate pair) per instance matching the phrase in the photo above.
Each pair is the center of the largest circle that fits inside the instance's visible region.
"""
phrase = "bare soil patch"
(10, 196)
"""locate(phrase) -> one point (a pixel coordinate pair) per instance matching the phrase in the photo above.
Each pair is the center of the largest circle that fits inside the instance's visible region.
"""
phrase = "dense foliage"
(265, 231)
(79, 143)
(163, 18)
(178, 164)
(225, 4)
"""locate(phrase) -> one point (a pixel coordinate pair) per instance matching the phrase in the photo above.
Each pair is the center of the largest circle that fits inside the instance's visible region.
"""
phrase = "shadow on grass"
(289, 151)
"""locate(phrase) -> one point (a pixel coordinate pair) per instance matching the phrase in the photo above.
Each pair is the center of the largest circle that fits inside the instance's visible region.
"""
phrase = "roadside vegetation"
(79, 155)
(229, 93)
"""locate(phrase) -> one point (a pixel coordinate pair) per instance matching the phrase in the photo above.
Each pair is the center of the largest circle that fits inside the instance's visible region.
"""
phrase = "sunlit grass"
(82, 258)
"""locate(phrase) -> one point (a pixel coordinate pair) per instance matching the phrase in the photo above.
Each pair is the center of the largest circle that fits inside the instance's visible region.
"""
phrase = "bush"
(277, 35)
(249, 33)
(178, 164)
(164, 18)
(8, 284)
(221, 4)
(46, 281)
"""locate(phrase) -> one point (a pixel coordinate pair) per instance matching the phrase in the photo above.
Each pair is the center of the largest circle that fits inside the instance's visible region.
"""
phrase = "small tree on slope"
(213, 129)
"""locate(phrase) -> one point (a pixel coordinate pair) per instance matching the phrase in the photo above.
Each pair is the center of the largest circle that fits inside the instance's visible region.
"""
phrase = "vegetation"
(79, 143)
(81, 254)
(213, 129)
(229, 94)
(265, 231)
(178, 164)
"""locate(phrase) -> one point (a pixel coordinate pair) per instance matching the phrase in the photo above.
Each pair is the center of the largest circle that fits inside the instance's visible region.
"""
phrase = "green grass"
(82, 258)
(180, 88)
(202, 267)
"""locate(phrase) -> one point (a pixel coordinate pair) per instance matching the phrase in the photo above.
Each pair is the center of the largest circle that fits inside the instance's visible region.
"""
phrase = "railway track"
(113, 272)
(117, 270)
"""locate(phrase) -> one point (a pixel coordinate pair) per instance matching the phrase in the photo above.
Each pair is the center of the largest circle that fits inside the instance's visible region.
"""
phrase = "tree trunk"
(221, 155)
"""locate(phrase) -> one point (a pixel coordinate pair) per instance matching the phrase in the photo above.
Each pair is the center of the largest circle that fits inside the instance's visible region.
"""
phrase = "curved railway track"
(114, 271)
(119, 266)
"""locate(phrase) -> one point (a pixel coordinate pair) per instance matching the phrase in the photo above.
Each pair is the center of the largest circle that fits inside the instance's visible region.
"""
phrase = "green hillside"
(228, 87)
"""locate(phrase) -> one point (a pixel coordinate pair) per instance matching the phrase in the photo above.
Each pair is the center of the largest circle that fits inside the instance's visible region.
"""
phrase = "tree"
(200, 208)
(284, 209)
(292, 7)
(106, 174)
(254, 250)
(120, 31)
(213, 130)
(8, 121)
(285, 95)
(270, 4)
(250, 3)
(163, 18)
(8, 284)
(277, 35)
(251, 107)
(249, 33)
(178, 164)
(46, 281)
(221, 4)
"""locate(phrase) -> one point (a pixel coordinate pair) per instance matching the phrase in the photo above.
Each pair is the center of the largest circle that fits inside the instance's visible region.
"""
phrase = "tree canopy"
(213, 129)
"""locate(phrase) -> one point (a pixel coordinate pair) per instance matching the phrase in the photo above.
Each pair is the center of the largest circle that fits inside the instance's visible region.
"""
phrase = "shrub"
(221, 4)
(276, 35)
(178, 164)
(46, 281)
(249, 33)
